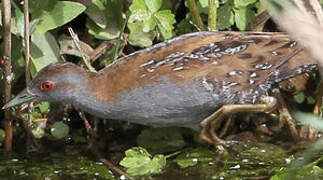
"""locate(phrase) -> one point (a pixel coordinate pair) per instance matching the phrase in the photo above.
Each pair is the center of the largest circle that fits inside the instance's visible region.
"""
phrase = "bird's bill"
(21, 98)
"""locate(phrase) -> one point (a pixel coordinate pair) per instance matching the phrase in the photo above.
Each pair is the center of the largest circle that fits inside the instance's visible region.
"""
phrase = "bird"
(192, 80)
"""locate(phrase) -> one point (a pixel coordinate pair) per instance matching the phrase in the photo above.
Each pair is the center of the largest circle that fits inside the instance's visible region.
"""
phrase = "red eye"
(47, 86)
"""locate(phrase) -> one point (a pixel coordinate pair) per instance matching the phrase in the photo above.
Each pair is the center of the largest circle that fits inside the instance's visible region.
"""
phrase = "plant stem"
(77, 45)
(119, 39)
(197, 20)
(8, 76)
(212, 15)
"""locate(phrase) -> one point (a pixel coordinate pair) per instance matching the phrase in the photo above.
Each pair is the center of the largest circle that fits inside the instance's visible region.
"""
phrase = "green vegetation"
(173, 152)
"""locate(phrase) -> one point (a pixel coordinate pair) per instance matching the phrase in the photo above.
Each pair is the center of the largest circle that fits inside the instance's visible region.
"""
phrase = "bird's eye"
(47, 86)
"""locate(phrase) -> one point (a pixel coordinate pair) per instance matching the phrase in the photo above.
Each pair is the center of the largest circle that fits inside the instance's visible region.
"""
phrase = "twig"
(6, 22)
(212, 15)
(76, 42)
(27, 42)
(197, 20)
(107, 162)
(95, 151)
(87, 125)
(119, 39)
(27, 71)
(257, 24)
(100, 50)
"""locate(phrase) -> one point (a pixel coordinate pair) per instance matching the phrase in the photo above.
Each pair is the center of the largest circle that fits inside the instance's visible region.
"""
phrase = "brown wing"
(234, 60)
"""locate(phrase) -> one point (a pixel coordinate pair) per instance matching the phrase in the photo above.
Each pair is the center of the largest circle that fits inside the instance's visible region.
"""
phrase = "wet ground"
(72, 159)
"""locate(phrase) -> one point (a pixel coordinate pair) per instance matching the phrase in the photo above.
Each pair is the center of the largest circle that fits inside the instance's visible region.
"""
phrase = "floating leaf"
(59, 130)
(192, 156)
(161, 140)
(139, 162)
(299, 98)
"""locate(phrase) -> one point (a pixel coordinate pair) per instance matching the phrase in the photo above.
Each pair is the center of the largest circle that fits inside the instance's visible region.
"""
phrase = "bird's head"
(57, 82)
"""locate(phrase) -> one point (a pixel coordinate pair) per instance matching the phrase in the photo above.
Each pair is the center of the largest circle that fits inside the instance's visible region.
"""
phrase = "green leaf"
(149, 25)
(2, 135)
(203, 6)
(243, 3)
(243, 16)
(33, 25)
(96, 31)
(153, 5)
(158, 163)
(106, 20)
(59, 130)
(113, 14)
(19, 20)
(225, 17)
(44, 107)
(299, 98)
(165, 21)
(185, 27)
(96, 12)
(192, 156)
(139, 38)
(139, 11)
(37, 131)
(36, 115)
(167, 4)
(143, 20)
(18, 63)
(79, 139)
(138, 162)
(37, 7)
(44, 50)
(204, 3)
(310, 100)
(161, 140)
(62, 13)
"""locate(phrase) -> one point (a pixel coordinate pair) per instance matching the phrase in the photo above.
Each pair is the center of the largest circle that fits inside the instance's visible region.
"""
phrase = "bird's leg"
(209, 123)
(228, 122)
(205, 126)
(284, 116)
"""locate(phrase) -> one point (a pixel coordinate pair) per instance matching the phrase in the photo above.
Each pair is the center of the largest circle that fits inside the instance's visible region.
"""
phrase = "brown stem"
(6, 22)
(100, 50)
(106, 162)
(76, 41)
(86, 122)
(27, 71)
